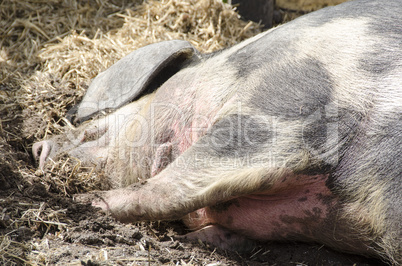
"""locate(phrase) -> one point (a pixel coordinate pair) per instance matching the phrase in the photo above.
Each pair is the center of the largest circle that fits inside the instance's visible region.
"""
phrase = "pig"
(291, 135)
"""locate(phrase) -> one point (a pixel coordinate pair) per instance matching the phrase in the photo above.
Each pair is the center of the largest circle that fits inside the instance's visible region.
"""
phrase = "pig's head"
(125, 88)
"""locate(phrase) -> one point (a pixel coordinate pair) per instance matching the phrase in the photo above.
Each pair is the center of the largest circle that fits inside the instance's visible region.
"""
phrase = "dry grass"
(27, 25)
(12, 252)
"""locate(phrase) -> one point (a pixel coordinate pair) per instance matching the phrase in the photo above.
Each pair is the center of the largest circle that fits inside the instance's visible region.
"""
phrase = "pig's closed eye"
(93, 134)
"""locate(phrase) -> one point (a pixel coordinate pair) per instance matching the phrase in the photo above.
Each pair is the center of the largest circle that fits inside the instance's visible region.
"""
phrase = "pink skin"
(295, 207)
(183, 137)
(162, 156)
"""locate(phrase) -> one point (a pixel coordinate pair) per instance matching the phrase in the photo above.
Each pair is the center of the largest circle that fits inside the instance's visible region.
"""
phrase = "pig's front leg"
(148, 200)
(170, 195)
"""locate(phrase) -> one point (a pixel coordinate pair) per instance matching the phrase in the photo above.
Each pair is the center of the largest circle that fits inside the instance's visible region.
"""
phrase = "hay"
(25, 220)
(68, 176)
(13, 252)
(27, 25)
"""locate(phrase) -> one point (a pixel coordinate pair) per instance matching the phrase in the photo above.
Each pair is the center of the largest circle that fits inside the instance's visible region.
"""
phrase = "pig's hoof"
(83, 198)
(222, 238)
(97, 199)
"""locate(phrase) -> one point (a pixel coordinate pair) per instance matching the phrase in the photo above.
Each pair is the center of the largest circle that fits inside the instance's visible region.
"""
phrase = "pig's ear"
(136, 74)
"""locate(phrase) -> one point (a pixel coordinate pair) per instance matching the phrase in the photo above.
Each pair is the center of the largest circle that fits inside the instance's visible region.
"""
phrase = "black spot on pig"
(327, 200)
(229, 220)
(315, 131)
(317, 211)
(390, 25)
(302, 199)
(294, 91)
(379, 66)
(245, 62)
(238, 136)
(373, 157)
(224, 206)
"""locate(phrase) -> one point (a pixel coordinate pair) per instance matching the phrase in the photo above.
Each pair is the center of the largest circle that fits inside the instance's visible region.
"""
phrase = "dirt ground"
(48, 53)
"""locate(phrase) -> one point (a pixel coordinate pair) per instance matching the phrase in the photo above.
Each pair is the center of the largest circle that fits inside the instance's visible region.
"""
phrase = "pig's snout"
(41, 151)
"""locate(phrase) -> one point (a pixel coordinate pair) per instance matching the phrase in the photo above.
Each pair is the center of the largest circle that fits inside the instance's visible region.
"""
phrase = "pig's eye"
(93, 134)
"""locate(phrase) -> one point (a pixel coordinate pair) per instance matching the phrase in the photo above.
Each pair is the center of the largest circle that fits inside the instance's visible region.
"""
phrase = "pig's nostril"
(41, 151)
(36, 149)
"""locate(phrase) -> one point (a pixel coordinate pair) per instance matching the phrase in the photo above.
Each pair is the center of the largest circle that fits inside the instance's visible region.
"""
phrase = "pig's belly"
(295, 208)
